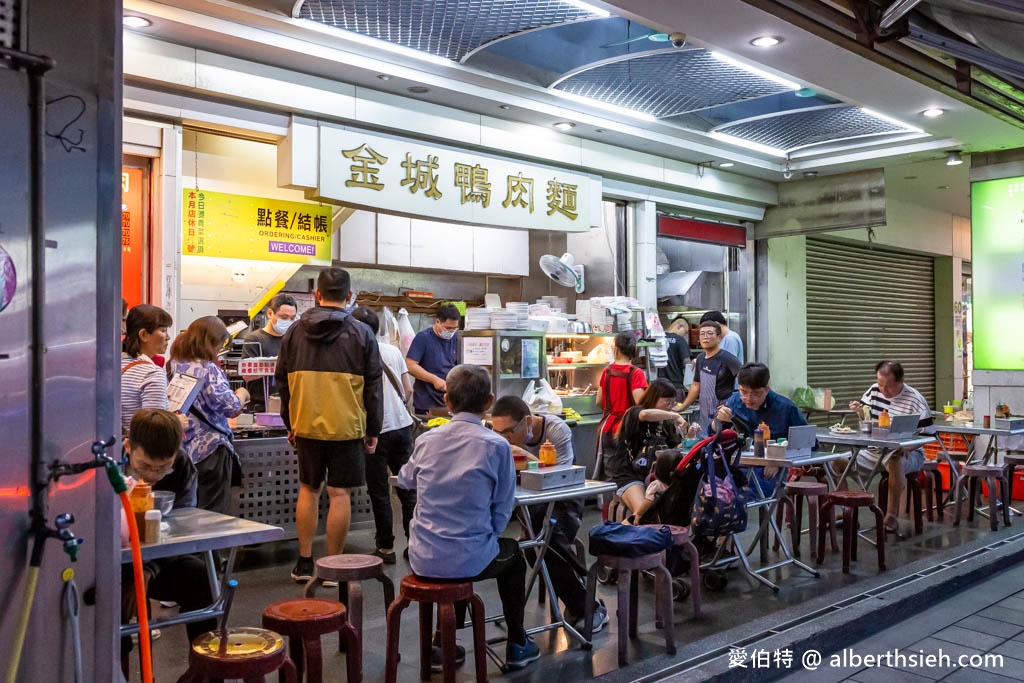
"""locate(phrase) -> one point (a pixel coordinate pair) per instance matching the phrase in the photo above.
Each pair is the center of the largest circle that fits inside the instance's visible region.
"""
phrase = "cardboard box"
(556, 477)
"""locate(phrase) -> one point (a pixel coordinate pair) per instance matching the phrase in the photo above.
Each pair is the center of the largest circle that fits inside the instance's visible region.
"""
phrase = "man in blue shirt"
(465, 482)
(432, 354)
(755, 403)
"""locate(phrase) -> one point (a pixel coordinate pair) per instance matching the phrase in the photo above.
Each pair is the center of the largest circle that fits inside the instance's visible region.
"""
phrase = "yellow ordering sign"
(253, 228)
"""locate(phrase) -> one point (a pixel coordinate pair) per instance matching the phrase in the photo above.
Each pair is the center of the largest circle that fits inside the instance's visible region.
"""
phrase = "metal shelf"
(574, 366)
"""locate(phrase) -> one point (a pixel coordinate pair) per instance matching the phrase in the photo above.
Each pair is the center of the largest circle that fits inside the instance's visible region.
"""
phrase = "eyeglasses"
(509, 431)
(711, 334)
(157, 470)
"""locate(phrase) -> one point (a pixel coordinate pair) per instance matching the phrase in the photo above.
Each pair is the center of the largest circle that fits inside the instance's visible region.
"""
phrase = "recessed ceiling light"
(418, 89)
(600, 130)
(810, 174)
(136, 22)
(933, 113)
(504, 106)
(953, 158)
(943, 187)
(564, 125)
(766, 41)
(384, 77)
(726, 164)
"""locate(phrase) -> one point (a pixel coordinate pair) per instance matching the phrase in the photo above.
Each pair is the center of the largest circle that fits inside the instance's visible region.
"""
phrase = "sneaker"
(435, 657)
(600, 618)
(518, 656)
(303, 570)
(388, 556)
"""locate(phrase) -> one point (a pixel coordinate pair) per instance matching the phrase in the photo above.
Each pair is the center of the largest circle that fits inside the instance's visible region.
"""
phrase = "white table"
(200, 531)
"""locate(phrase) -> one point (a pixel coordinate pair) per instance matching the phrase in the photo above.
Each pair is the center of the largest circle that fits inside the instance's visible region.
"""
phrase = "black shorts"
(340, 462)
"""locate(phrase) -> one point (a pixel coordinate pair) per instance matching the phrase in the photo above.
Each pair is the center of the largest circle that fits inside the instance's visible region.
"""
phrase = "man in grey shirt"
(526, 432)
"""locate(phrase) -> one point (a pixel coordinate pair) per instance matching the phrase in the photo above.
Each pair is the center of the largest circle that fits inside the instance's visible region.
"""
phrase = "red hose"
(142, 606)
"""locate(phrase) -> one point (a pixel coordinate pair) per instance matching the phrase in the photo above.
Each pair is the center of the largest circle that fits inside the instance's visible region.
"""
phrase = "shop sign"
(391, 175)
(254, 228)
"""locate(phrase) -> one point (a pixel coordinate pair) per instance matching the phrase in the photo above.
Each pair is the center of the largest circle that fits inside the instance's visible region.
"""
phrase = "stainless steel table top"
(804, 461)
(193, 530)
(590, 488)
(976, 429)
(907, 443)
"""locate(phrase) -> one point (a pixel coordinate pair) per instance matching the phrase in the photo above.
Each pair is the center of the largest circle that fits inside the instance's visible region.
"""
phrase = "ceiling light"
(564, 125)
(810, 174)
(765, 41)
(598, 104)
(600, 130)
(589, 8)
(726, 164)
(895, 122)
(136, 22)
(418, 89)
(504, 106)
(943, 187)
(740, 142)
(953, 158)
(757, 72)
(933, 113)
(384, 77)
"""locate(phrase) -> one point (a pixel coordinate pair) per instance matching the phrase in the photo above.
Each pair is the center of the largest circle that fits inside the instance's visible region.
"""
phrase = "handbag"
(418, 425)
(721, 506)
(643, 461)
(624, 540)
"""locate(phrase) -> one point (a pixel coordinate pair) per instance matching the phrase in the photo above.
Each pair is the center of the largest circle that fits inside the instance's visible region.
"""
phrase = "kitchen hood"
(698, 289)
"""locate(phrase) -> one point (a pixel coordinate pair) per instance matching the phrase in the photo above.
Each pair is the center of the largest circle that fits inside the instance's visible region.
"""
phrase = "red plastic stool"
(933, 503)
(248, 654)
(851, 502)
(444, 595)
(813, 492)
(913, 498)
(303, 621)
(349, 571)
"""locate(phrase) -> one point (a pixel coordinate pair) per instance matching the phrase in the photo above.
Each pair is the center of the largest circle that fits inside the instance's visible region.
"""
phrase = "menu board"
(997, 265)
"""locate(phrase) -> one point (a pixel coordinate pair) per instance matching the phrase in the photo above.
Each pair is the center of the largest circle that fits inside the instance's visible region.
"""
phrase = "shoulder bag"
(418, 425)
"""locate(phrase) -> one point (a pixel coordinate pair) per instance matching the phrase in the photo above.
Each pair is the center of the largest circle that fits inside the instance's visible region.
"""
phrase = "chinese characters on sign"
(397, 176)
(254, 228)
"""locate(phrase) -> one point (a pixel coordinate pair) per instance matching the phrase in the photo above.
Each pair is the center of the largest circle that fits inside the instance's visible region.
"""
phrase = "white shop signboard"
(392, 175)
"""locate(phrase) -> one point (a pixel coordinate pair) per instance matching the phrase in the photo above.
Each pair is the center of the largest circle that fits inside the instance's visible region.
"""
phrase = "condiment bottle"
(141, 499)
(765, 430)
(548, 456)
(884, 421)
(153, 519)
(758, 443)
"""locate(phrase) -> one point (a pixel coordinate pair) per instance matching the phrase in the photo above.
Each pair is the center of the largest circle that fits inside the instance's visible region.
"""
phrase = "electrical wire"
(146, 654)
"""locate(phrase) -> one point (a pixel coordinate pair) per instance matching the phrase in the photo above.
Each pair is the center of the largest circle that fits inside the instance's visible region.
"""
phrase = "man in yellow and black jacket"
(332, 402)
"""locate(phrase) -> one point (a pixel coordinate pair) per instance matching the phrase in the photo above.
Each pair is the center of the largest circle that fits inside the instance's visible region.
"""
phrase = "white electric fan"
(563, 270)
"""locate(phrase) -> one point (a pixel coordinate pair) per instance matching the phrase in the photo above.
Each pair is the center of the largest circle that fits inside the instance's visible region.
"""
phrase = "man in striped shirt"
(889, 393)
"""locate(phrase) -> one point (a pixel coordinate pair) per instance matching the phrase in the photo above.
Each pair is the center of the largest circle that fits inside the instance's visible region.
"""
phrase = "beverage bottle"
(764, 430)
(758, 443)
(141, 499)
(548, 455)
(884, 421)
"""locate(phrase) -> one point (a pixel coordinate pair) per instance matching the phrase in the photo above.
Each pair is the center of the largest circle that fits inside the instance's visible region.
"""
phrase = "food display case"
(513, 357)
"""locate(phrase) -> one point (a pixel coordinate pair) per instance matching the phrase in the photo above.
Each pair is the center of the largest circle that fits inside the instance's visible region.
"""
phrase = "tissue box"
(775, 451)
(879, 432)
(269, 420)
(559, 476)
(1014, 422)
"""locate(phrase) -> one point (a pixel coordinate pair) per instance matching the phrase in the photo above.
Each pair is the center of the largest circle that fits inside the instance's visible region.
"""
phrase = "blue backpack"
(624, 540)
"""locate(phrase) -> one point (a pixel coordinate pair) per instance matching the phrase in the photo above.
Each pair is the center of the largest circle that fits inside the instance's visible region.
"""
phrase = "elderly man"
(465, 484)
(890, 393)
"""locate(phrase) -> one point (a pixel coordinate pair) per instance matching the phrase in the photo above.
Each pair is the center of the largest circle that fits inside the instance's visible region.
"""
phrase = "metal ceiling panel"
(446, 28)
(9, 11)
(792, 130)
(669, 83)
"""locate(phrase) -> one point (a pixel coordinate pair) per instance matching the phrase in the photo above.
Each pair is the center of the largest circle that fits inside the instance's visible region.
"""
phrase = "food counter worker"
(281, 313)
(432, 354)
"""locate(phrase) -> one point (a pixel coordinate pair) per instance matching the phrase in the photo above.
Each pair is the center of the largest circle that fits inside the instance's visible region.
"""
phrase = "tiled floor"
(263, 577)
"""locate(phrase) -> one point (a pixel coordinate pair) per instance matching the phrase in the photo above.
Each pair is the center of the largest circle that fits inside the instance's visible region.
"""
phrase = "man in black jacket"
(332, 402)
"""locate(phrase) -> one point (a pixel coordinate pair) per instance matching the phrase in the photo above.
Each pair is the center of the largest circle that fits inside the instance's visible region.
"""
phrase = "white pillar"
(643, 275)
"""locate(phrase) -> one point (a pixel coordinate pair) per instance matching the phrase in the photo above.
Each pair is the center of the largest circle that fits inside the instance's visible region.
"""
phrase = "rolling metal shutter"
(866, 305)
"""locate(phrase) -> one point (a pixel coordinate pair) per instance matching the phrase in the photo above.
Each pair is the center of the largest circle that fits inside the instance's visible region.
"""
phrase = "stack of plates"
(555, 303)
(504, 320)
(521, 309)
(478, 319)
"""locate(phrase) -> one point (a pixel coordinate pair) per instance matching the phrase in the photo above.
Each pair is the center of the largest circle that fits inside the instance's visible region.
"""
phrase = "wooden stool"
(681, 539)
(249, 654)
(851, 502)
(445, 595)
(627, 605)
(349, 571)
(303, 621)
(932, 481)
(797, 491)
(913, 494)
(1011, 461)
(992, 474)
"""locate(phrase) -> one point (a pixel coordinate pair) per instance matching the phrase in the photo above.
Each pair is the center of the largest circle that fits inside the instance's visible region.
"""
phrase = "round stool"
(445, 595)
(992, 475)
(1011, 461)
(813, 491)
(303, 621)
(932, 481)
(913, 494)
(627, 605)
(851, 502)
(349, 571)
(247, 653)
(681, 539)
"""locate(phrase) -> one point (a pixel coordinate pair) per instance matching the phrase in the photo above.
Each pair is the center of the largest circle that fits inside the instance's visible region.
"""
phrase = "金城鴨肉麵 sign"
(387, 174)
(254, 228)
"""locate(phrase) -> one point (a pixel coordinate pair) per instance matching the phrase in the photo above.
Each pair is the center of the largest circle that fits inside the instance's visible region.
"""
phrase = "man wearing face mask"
(433, 353)
(281, 313)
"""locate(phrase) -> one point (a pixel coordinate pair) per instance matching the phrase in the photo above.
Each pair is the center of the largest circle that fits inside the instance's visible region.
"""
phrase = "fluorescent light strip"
(871, 112)
(589, 8)
(757, 72)
(755, 146)
(598, 104)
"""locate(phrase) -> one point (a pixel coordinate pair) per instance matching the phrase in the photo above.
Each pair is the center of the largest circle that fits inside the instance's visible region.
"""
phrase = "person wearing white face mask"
(433, 353)
(281, 313)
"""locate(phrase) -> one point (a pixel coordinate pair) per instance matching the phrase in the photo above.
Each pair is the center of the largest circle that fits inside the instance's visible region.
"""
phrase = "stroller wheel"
(680, 590)
(607, 576)
(715, 581)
